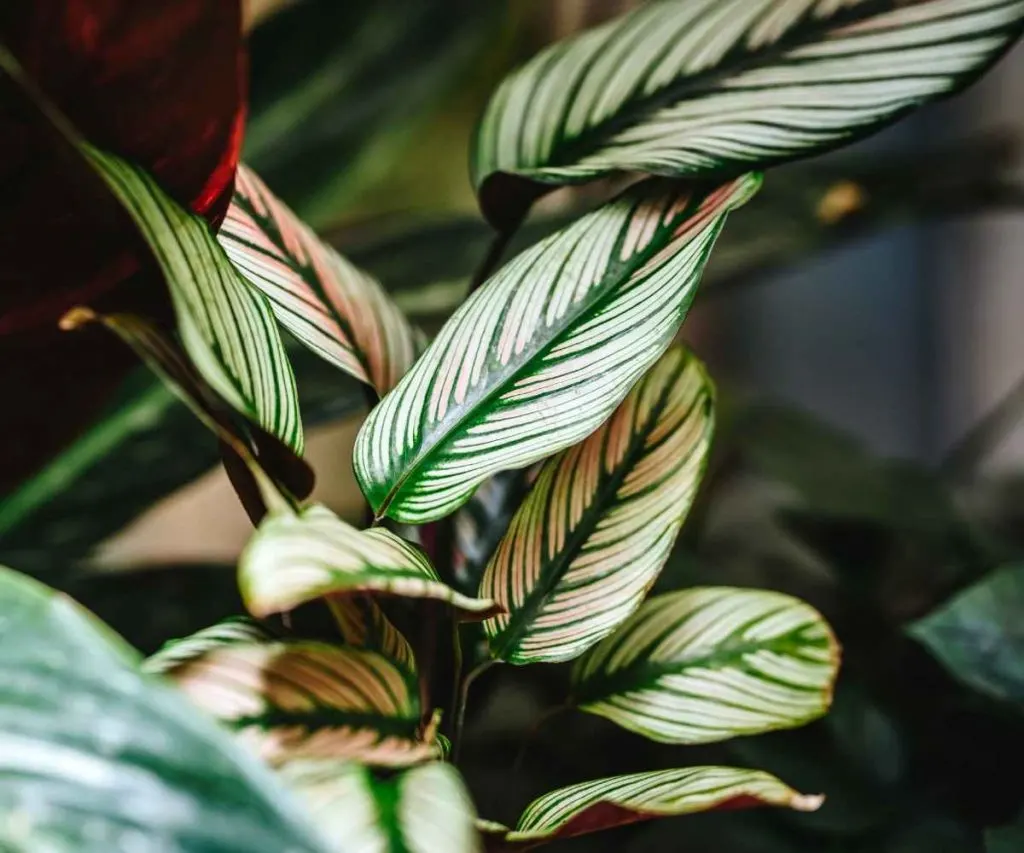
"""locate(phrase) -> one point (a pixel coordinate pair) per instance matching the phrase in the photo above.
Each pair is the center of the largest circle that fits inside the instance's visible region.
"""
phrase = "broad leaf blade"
(711, 663)
(542, 354)
(619, 800)
(95, 757)
(720, 86)
(601, 519)
(226, 327)
(335, 309)
(298, 557)
(299, 701)
(423, 810)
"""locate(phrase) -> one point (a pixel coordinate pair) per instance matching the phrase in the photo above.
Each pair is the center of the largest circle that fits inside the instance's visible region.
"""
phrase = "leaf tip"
(76, 318)
(806, 802)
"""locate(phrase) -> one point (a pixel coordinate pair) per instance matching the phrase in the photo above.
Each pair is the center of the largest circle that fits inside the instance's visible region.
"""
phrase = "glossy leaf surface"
(337, 310)
(300, 700)
(96, 757)
(425, 809)
(619, 800)
(720, 86)
(711, 663)
(542, 354)
(298, 557)
(601, 519)
(227, 328)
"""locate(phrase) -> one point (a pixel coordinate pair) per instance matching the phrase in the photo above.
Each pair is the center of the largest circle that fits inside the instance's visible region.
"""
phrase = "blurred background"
(862, 319)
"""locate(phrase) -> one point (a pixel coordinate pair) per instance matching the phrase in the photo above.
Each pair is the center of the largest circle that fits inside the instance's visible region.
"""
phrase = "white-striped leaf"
(364, 625)
(709, 86)
(601, 519)
(234, 631)
(298, 557)
(711, 663)
(537, 358)
(337, 310)
(619, 800)
(226, 327)
(309, 701)
(425, 809)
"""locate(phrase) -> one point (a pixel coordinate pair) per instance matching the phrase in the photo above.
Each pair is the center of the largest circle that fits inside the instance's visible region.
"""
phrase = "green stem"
(460, 705)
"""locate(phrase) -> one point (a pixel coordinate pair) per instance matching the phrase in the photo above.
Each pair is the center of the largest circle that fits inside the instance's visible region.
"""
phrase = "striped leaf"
(619, 800)
(335, 309)
(537, 358)
(226, 327)
(711, 663)
(364, 625)
(237, 630)
(308, 701)
(601, 519)
(717, 86)
(425, 809)
(298, 557)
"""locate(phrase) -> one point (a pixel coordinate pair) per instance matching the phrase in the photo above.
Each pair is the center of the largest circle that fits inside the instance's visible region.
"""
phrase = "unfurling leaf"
(598, 525)
(711, 663)
(335, 309)
(301, 701)
(425, 809)
(365, 626)
(226, 326)
(542, 354)
(619, 800)
(707, 87)
(298, 557)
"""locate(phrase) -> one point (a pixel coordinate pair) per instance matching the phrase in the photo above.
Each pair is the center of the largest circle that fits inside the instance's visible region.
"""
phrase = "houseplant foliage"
(563, 363)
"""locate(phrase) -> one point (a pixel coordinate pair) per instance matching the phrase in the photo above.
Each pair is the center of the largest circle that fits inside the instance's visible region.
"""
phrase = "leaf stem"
(495, 252)
(460, 705)
(985, 436)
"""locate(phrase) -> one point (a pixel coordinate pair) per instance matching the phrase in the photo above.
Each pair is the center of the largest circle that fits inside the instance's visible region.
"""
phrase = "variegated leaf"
(335, 309)
(711, 663)
(537, 358)
(619, 800)
(309, 701)
(601, 519)
(238, 630)
(226, 327)
(425, 809)
(298, 557)
(364, 625)
(717, 86)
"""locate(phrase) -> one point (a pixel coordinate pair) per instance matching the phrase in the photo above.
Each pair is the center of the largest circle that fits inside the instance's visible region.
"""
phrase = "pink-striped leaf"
(540, 355)
(334, 308)
(619, 800)
(595, 530)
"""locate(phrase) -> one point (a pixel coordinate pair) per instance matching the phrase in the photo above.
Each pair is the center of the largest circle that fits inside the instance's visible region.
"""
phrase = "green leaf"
(979, 635)
(298, 557)
(721, 86)
(542, 354)
(295, 701)
(1006, 839)
(335, 309)
(95, 757)
(226, 326)
(619, 800)
(711, 663)
(424, 810)
(231, 631)
(601, 519)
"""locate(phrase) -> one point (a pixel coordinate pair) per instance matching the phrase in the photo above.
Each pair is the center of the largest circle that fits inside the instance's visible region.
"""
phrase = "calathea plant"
(563, 364)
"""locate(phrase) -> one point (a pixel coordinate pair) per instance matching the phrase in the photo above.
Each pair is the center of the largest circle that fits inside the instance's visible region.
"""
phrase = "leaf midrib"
(642, 674)
(553, 572)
